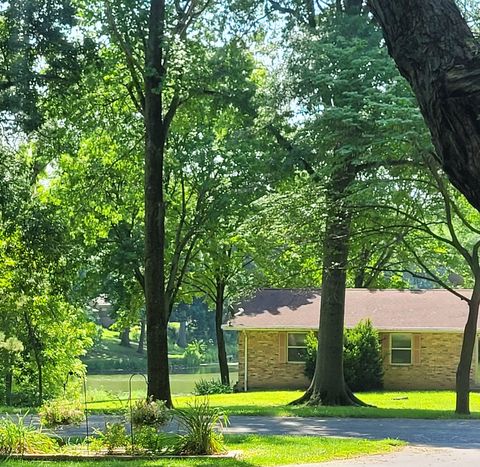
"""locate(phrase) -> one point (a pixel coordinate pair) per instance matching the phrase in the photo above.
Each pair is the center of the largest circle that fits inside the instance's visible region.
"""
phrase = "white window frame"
(302, 362)
(401, 348)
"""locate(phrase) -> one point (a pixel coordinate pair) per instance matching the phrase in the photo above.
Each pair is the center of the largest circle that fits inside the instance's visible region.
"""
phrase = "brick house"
(420, 332)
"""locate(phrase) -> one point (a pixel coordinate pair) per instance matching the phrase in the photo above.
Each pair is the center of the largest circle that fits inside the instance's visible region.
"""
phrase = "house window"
(401, 345)
(296, 347)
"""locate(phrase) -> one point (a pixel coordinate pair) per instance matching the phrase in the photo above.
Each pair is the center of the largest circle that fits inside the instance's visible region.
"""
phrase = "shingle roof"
(389, 309)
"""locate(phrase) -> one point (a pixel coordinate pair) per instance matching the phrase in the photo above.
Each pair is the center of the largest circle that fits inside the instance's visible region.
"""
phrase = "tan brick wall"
(265, 369)
(434, 366)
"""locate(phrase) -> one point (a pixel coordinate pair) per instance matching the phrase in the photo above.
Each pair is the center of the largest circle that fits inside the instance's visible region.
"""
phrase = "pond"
(117, 385)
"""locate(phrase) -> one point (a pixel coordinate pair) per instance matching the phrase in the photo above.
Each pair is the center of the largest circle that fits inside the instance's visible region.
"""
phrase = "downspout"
(245, 364)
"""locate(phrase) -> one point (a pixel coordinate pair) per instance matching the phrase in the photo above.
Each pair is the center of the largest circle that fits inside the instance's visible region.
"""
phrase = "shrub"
(113, 437)
(205, 387)
(200, 422)
(148, 412)
(150, 440)
(19, 438)
(362, 357)
(363, 364)
(60, 412)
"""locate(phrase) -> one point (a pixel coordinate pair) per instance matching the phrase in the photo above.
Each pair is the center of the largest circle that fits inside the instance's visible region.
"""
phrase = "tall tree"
(346, 125)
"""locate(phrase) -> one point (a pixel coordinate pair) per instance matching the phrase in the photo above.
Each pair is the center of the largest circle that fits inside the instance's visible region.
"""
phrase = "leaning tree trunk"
(182, 334)
(8, 382)
(222, 353)
(157, 308)
(328, 384)
(435, 50)
(466, 355)
(141, 339)
(125, 337)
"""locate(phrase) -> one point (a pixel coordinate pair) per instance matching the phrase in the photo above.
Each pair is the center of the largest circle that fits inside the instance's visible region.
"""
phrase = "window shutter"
(417, 344)
(282, 347)
(385, 342)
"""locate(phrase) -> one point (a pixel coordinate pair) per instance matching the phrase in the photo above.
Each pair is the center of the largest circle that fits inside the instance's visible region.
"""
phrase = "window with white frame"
(401, 349)
(296, 347)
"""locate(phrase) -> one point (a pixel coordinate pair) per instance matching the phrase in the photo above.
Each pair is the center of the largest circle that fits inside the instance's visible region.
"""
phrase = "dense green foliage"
(362, 357)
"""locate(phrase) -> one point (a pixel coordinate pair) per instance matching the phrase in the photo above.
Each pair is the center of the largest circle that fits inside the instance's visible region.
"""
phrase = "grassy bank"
(257, 451)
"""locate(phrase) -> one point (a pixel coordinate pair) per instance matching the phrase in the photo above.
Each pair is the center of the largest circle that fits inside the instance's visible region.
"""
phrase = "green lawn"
(413, 404)
(258, 451)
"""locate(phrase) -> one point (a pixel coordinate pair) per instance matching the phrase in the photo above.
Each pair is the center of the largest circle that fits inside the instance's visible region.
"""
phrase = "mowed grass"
(257, 451)
(411, 404)
(387, 404)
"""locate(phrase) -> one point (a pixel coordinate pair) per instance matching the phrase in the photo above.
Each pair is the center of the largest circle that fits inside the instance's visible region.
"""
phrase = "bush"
(148, 412)
(200, 422)
(362, 357)
(151, 441)
(362, 354)
(205, 387)
(60, 412)
(19, 438)
(113, 437)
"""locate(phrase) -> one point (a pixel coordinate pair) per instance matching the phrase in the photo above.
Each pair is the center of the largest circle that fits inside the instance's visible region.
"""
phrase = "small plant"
(205, 387)
(113, 437)
(200, 422)
(16, 437)
(60, 412)
(148, 439)
(149, 412)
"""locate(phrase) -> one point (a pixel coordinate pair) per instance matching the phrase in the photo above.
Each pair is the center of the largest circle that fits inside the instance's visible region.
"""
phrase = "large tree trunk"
(222, 353)
(437, 53)
(155, 296)
(328, 384)
(466, 355)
